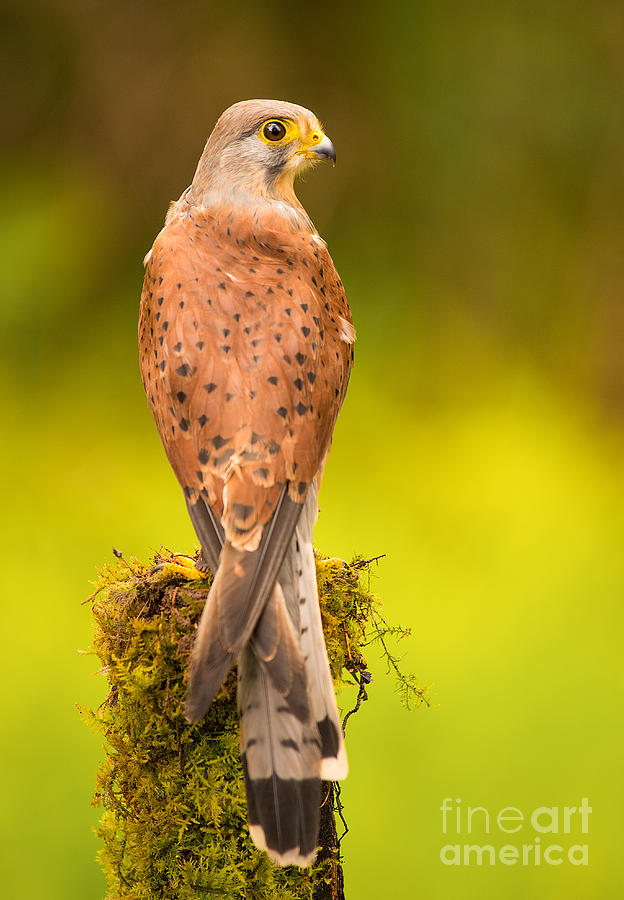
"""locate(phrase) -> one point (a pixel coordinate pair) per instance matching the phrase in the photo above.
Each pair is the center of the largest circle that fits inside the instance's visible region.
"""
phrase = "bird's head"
(255, 151)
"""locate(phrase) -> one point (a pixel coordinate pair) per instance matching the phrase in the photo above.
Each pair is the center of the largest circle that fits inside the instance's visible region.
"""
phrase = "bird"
(246, 346)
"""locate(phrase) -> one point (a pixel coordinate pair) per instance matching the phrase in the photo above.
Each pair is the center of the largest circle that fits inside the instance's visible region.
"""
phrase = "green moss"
(174, 820)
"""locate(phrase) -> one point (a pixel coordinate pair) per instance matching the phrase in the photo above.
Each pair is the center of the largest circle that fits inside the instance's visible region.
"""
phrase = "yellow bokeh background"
(475, 216)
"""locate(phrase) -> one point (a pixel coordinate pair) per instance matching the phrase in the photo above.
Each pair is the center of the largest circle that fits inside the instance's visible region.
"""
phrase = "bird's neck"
(264, 199)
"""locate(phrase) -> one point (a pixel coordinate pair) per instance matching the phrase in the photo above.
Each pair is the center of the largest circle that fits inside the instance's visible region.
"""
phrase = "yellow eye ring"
(278, 132)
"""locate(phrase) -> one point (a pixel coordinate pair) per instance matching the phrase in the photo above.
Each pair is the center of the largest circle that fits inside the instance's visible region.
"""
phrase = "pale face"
(263, 144)
(286, 144)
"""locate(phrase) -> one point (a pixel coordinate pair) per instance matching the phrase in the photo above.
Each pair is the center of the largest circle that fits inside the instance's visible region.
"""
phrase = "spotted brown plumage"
(246, 344)
(244, 360)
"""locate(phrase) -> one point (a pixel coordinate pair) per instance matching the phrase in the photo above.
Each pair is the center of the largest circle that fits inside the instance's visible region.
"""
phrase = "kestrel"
(246, 344)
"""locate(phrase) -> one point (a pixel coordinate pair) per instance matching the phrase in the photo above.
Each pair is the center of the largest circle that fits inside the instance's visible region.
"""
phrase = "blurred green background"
(476, 219)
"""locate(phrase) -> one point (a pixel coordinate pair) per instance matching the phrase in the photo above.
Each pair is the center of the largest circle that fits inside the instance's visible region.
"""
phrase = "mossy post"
(174, 821)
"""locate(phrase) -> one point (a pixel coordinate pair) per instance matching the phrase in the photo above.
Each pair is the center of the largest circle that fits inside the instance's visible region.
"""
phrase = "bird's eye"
(274, 131)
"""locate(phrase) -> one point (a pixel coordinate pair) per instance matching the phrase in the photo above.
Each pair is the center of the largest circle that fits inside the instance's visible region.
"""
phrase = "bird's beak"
(318, 146)
(323, 150)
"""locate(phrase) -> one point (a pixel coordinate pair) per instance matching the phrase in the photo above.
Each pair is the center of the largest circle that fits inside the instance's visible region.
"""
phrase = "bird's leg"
(332, 563)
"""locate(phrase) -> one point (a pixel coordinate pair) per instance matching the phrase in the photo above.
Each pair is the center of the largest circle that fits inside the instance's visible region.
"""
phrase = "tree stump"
(174, 820)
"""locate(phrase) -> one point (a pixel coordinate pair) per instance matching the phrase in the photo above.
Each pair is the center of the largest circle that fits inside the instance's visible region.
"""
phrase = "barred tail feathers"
(334, 765)
(281, 762)
(287, 747)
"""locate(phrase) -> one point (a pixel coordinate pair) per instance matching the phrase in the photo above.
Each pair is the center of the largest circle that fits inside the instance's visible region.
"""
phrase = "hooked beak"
(323, 150)
(317, 147)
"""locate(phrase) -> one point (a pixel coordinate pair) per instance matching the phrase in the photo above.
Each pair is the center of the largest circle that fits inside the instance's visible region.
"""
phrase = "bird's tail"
(288, 747)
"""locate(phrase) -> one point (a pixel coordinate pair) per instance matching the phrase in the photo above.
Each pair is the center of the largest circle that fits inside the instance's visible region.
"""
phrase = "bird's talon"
(180, 565)
(333, 563)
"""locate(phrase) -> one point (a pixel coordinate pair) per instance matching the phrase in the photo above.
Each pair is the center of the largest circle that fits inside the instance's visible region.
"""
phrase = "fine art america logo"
(547, 835)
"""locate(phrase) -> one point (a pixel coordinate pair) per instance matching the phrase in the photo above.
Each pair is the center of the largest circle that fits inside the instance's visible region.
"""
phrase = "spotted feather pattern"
(246, 344)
